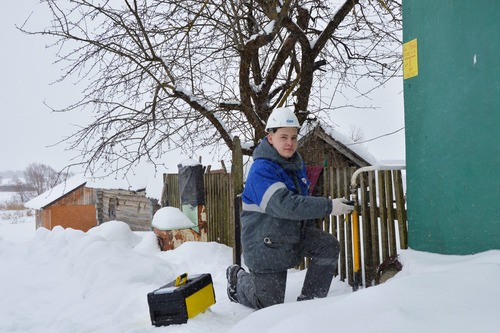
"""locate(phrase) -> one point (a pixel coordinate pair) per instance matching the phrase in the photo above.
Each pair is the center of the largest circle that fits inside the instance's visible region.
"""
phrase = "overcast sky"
(29, 130)
(27, 126)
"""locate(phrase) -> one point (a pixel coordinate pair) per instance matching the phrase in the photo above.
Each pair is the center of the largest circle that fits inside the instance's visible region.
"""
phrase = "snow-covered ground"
(70, 281)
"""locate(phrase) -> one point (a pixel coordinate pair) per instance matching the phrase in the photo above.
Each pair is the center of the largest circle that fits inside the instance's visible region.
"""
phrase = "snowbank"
(71, 281)
(171, 218)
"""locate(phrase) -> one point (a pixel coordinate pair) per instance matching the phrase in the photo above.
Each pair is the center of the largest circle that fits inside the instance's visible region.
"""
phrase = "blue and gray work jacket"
(276, 208)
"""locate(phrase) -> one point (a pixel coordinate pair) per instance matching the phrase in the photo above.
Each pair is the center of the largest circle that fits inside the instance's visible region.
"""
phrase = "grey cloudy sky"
(28, 129)
(27, 126)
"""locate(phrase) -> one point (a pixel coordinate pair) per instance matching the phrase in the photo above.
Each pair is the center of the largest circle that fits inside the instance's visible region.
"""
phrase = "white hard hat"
(282, 117)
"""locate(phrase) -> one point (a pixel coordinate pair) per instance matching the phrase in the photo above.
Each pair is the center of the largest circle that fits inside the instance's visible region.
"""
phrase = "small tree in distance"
(41, 177)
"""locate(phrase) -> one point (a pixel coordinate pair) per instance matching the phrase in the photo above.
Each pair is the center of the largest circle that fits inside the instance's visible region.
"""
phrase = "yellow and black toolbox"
(181, 299)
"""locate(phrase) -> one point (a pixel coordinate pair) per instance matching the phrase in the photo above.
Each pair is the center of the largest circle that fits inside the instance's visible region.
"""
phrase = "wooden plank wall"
(79, 217)
(219, 204)
(130, 207)
(81, 196)
(220, 207)
(382, 211)
(170, 195)
(337, 182)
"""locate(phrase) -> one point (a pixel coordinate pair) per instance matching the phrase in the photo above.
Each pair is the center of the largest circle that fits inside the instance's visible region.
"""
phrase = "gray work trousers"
(259, 290)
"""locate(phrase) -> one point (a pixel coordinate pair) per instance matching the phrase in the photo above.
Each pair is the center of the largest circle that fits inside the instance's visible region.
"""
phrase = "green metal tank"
(452, 117)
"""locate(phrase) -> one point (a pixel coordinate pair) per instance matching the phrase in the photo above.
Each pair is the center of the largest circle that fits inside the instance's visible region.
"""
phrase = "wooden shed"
(131, 207)
(322, 145)
(74, 204)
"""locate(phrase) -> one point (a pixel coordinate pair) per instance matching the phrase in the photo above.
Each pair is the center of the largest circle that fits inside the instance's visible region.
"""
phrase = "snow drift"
(70, 281)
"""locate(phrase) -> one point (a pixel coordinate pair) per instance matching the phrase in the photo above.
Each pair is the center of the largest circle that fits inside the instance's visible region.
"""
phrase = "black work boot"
(232, 279)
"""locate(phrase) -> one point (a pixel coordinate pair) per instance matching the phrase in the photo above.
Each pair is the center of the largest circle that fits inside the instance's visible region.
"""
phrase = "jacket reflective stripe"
(265, 199)
(269, 193)
(251, 208)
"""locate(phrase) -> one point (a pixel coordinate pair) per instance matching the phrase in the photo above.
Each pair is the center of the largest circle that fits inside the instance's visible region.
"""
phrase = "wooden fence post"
(390, 213)
(375, 253)
(384, 233)
(400, 209)
(367, 239)
(345, 235)
(237, 179)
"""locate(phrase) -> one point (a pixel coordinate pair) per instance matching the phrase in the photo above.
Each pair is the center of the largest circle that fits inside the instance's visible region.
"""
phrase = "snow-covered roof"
(51, 195)
(309, 126)
(152, 185)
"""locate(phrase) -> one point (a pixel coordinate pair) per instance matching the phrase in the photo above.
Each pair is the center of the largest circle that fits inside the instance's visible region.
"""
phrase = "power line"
(378, 137)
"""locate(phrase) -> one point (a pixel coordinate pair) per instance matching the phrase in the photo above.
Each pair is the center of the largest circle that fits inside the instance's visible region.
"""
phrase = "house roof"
(58, 191)
(345, 145)
(152, 185)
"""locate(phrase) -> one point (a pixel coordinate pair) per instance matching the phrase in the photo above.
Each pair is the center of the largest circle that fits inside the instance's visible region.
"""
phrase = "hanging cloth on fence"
(313, 173)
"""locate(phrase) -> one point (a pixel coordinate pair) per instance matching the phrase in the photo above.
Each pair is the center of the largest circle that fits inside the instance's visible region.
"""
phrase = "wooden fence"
(382, 223)
(219, 204)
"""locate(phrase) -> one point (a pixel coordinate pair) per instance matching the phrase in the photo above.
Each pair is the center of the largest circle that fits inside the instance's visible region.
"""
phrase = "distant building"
(81, 204)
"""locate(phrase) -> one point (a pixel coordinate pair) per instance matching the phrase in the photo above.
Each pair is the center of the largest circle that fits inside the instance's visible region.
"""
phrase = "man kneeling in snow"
(278, 227)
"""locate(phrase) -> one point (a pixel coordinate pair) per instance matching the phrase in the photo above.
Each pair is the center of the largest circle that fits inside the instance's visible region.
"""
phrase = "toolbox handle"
(181, 279)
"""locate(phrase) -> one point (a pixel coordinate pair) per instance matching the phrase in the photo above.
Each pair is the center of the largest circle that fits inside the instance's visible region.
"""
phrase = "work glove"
(339, 206)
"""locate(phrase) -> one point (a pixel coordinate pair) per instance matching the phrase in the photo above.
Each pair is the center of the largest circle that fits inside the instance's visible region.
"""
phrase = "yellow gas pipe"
(357, 278)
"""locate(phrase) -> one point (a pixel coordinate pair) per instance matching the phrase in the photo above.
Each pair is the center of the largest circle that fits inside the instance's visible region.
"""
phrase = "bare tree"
(21, 190)
(163, 74)
(41, 177)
